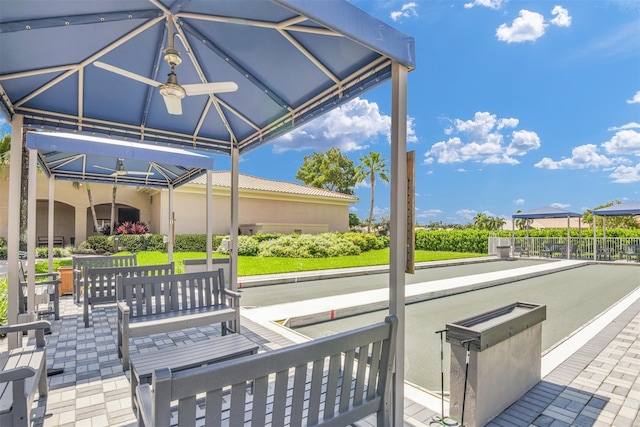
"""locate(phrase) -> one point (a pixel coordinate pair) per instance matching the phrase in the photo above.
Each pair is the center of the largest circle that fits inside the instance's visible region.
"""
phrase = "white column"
(398, 250)
(209, 211)
(171, 225)
(31, 231)
(50, 222)
(233, 228)
(13, 227)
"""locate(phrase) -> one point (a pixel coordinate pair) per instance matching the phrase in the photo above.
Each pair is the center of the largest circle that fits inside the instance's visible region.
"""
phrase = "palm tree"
(370, 166)
(481, 221)
(113, 211)
(523, 223)
(76, 185)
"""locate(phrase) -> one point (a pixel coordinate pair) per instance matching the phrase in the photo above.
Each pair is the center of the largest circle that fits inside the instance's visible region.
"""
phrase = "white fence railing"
(580, 247)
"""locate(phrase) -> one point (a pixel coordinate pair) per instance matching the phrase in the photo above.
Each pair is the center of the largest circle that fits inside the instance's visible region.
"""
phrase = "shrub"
(308, 246)
(100, 243)
(3, 241)
(190, 243)
(247, 246)
(4, 281)
(129, 227)
(3, 252)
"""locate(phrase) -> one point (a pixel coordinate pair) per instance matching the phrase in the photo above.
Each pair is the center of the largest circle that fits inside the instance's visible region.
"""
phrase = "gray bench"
(630, 251)
(46, 292)
(23, 374)
(80, 263)
(57, 241)
(156, 304)
(99, 283)
(335, 380)
(179, 358)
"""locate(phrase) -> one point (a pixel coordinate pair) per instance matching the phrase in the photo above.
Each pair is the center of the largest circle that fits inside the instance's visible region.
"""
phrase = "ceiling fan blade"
(102, 167)
(139, 173)
(126, 73)
(207, 88)
(174, 105)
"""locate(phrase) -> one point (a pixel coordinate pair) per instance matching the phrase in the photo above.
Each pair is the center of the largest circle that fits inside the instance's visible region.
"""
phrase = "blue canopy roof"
(291, 60)
(628, 208)
(89, 158)
(546, 212)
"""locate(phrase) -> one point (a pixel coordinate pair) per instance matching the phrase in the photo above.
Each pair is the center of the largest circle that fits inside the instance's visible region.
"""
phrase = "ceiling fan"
(120, 170)
(171, 91)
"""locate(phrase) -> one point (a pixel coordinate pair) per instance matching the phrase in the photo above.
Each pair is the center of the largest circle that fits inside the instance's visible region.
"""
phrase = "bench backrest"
(173, 292)
(82, 262)
(334, 380)
(100, 282)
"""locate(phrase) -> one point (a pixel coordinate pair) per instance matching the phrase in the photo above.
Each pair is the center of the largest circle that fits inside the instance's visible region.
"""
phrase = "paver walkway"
(599, 385)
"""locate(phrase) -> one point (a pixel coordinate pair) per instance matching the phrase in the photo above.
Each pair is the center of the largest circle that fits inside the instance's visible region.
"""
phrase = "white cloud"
(523, 141)
(518, 202)
(529, 26)
(353, 209)
(491, 4)
(461, 170)
(624, 142)
(483, 141)
(378, 211)
(429, 213)
(408, 10)
(626, 174)
(560, 205)
(582, 157)
(635, 99)
(630, 125)
(562, 18)
(350, 127)
(466, 213)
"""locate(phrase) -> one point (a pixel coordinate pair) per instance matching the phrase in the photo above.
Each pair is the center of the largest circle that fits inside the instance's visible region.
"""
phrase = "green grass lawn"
(251, 266)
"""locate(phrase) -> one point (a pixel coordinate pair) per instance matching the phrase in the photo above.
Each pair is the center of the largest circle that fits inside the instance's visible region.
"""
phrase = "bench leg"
(125, 354)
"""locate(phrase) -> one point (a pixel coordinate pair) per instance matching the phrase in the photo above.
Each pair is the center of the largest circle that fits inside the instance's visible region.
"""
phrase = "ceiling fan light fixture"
(172, 91)
(172, 56)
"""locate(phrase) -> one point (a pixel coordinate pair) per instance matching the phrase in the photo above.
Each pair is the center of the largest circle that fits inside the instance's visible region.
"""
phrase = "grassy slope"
(250, 266)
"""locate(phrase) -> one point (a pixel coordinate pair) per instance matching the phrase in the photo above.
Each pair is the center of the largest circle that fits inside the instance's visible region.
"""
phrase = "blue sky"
(513, 105)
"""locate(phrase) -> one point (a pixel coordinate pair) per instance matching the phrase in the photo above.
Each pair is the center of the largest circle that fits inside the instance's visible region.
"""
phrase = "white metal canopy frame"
(546, 212)
(213, 76)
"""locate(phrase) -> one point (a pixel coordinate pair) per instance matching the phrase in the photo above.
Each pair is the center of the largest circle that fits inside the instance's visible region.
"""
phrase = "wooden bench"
(23, 373)
(156, 304)
(57, 241)
(99, 283)
(80, 263)
(206, 352)
(46, 292)
(335, 380)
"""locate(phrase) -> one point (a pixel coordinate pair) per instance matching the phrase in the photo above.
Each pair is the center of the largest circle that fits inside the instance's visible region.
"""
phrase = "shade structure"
(77, 157)
(291, 60)
(627, 208)
(548, 212)
(98, 67)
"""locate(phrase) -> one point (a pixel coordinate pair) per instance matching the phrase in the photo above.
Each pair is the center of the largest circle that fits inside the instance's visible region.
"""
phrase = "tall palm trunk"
(24, 190)
(373, 184)
(113, 211)
(96, 227)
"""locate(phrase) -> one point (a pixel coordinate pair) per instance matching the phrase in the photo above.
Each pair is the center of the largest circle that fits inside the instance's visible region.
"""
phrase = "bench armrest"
(24, 327)
(123, 308)
(232, 294)
(38, 326)
(144, 404)
(16, 374)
